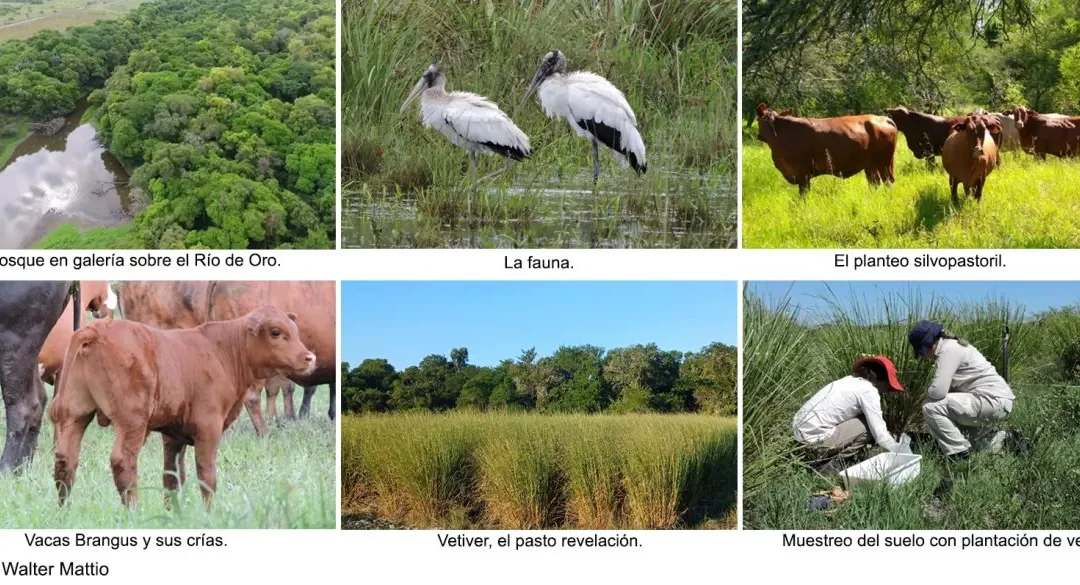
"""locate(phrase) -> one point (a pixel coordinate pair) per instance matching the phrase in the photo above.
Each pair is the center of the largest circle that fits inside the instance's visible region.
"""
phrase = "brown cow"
(803, 148)
(1043, 134)
(970, 154)
(925, 133)
(187, 384)
(97, 298)
(170, 305)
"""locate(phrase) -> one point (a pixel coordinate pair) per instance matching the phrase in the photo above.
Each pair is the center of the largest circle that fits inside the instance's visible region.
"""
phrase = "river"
(66, 177)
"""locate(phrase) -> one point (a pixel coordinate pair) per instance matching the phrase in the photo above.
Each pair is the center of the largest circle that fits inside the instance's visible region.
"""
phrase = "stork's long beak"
(415, 93)
(539, 78)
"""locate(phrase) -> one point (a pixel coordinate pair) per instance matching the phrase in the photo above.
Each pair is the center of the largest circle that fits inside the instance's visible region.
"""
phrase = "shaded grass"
(1026, 204)
(528, 471)
(283, 481)
(674, 60)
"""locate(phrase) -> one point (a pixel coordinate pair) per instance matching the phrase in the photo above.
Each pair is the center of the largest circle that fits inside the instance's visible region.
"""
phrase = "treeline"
(945, 56)
(584, 378)
(223, 108)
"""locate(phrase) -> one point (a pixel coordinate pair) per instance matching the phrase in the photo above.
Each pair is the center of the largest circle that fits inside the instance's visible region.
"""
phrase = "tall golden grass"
(528, 471)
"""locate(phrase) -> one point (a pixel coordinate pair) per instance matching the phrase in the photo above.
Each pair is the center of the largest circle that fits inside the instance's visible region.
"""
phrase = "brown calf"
(970, 154)
(187, 384)
(803, 148)
(96, 299)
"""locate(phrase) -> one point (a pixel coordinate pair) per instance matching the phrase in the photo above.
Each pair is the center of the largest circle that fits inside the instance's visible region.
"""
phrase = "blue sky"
(405, 321)
(1035, 296)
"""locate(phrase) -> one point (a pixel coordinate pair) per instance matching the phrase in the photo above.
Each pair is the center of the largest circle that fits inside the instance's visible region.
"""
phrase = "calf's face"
(274, 346)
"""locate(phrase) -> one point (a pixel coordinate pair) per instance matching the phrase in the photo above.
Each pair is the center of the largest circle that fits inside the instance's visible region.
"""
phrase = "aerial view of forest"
(180, 124)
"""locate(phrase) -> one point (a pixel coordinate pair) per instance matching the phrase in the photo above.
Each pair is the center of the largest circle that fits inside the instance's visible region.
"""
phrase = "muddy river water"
(66, 177)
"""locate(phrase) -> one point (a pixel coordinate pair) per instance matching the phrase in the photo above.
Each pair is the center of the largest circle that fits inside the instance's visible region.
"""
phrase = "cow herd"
(969, 146)
(183, 361)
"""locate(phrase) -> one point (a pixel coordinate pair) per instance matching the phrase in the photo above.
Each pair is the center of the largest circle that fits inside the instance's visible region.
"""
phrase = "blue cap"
(923, 335)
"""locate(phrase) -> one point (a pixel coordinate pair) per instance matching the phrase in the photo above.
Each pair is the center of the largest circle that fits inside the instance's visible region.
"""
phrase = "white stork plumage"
(469, 120)
(593, 107)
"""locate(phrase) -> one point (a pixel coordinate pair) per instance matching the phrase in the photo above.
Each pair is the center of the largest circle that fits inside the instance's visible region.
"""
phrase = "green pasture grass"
(1026, 203)
(285, 480)
(522, 471)
(18, 131)
(675, 61)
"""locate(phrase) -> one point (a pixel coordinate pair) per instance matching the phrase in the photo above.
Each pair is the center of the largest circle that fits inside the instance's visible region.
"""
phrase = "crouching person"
(966, 398)
(845, 416)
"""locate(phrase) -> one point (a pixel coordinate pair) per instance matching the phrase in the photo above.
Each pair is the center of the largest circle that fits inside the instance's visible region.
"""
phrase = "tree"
(711, 375)
(460, 357)
(577, 381)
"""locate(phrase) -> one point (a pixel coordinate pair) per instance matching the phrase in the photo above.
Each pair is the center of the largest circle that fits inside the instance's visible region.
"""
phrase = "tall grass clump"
(594, 471)
(671, 472)
(528, 471)
(777, 375)
(420, 477)
(520, 476)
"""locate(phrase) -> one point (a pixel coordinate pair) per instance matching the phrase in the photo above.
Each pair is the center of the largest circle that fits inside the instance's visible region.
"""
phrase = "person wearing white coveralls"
(966, 393)
(845, 415)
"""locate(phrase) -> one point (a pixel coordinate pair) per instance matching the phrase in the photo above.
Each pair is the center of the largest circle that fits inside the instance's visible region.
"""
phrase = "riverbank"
(11, 140)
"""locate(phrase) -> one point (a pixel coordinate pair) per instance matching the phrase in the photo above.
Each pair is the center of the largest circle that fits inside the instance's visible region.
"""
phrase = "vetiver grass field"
(526, 471)
(1026, 204)
(406, 185)
(787, 360)
(283, 481)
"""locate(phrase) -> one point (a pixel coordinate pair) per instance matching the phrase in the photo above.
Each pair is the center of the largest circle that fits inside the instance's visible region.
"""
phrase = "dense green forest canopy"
(826, 58)
(225, 109)
(584, 378)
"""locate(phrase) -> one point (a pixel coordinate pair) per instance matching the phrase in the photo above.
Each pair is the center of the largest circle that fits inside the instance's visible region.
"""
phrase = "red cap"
(890, 370)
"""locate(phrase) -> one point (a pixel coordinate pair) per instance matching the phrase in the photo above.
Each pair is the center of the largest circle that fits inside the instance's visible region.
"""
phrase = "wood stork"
(470, 121)
(593, 107)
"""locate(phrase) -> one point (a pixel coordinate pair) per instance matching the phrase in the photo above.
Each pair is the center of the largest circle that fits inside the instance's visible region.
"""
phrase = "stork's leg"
(595, 160)
(472, 163)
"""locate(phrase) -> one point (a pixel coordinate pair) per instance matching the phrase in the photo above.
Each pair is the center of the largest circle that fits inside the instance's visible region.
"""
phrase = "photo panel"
(141, 124)
(95, 397)
(539, 405)
(910, 124)
(911, 405)
(571, 124)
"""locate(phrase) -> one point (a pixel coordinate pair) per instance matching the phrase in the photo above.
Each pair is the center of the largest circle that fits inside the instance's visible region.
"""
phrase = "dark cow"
(1043, 134)
(28, 311)
(970, 154)
(187, 384)
(97, 298)
(803, 148)
(925, 133)
(180, 304)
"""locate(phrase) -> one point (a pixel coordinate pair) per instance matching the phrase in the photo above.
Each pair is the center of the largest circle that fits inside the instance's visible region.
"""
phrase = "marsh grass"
(283, 481)
(1026, 204)
(675, 61)
(524, 471)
